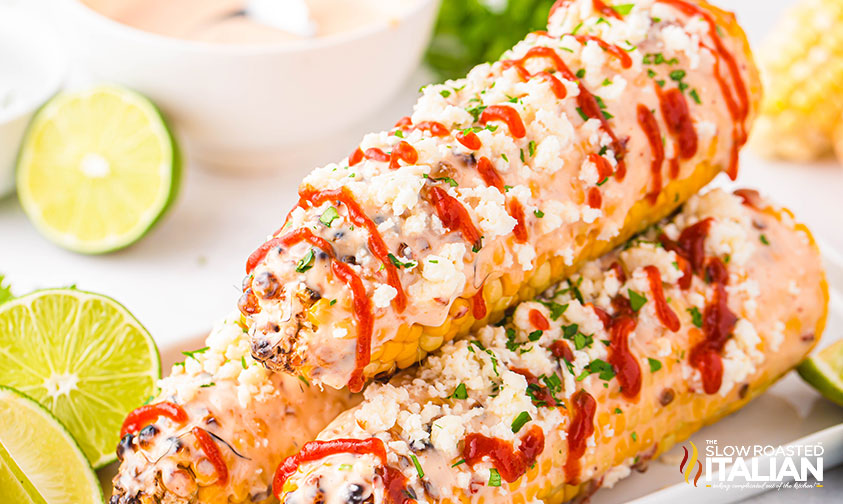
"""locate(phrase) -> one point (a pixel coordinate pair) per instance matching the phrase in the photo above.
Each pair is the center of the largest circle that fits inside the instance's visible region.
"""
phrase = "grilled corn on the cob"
(641, 348)
(499, 185)
(218, 428)
(802, 71)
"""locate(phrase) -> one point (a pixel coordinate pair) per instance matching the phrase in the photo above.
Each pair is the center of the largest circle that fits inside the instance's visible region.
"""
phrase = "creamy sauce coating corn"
(254, 416)
(513, 383)
(534, 157)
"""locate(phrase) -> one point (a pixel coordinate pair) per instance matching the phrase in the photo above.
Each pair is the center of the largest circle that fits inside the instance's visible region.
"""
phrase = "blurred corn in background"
(802, 70)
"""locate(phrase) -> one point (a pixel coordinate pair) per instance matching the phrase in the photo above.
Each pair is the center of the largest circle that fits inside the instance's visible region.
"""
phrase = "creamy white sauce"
(250, 21)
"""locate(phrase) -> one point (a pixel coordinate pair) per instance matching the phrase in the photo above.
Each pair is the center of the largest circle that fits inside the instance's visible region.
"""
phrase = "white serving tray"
(790, 412)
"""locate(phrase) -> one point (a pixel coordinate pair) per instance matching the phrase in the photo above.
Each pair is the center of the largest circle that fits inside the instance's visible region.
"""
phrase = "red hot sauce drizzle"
(718, 323)
(358, 218)
(586, 101)
(618, 52)
(490, 176)
(453, 215)
(737, 101)
(145, 415)
(516, 210)
(538, 320)
(212, 453)
(581, 428)
(478, 305)
(510, 463)
(677, 117)
(469, 140)
(599, 6)
(650, 126)
(362, 306)
(393, 480)
(689, 249)
(506, 114)
(625, 364)
(666, 315)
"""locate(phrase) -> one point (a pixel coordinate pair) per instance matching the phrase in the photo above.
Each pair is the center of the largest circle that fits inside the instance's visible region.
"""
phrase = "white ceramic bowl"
(32, 67)
(247, 107)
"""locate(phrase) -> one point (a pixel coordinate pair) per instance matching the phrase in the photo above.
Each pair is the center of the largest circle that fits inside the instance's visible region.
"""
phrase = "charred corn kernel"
(549, 453)
(263, 416)
(802, 71)
(557, 202)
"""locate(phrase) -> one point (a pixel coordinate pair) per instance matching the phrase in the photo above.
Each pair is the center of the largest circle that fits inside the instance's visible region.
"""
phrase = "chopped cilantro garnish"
(576, 28)
(401, 264)
(695, 96)
(345, 467)
(618, 411)
(677, 75)
(332, 302)
(607, 82)
(243, 361)
(696, 316)
(634, 436)
(449, 180)
(538, 213)
(651, 73)
(458, 463)
(660, 82)
(399, 133)
(582, 114)
(582, 341)
(445, 93)
(304, 380)
(494, 478)
(600, 367)
(520, 421)
(416, 463)
(306, 262)
(522, 156)
(580, 73)
(623, 9)
(211, 384)
(476, 111)
(764, 239)
(655, 365)
(328, 216)
(556, 309)
(636, 300)
(460, 392)
(504, 157)
(195, 352)
(535, 335)
(532, 148)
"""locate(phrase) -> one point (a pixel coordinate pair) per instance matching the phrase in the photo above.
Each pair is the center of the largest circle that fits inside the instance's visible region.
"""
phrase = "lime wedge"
(824, 371)
(40, 463)
(84, 357)
(97, 169)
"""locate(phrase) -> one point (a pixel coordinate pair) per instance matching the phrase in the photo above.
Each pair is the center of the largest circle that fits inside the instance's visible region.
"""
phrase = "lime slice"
(84, 357)
(40, 462)
(97, 169)
(824, 371)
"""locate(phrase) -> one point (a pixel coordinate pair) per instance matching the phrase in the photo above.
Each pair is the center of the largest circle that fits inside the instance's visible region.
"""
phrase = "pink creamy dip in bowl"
(246, 96)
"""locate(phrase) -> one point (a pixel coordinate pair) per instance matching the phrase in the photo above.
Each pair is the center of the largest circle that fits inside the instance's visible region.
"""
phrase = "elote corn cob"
(802, 71)
(218, 428)
(499, 185)
(635, 352)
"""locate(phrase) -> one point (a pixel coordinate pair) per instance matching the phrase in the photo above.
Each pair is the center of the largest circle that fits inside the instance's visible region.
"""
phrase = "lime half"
(824, 371)
(97, 169)
(84, 357)
(40, 462)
